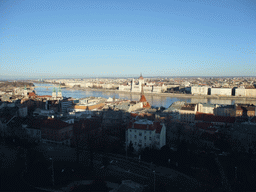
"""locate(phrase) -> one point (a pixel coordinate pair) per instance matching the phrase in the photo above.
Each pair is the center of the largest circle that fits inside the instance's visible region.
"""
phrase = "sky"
(80, 38)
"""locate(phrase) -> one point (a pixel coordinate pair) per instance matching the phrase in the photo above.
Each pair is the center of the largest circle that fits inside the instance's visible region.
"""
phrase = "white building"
(221, 91)
(242, 92)
(206, 108)
(65, 104)
(187, 113)
(198, 90)
(43, 112)
(145, 133)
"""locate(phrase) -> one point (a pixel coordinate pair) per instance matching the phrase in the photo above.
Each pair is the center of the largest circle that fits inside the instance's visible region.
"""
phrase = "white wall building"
(206, 108)
(242, 92)
(187, 113)
(145, 133)
(221, 91)
(198, 90)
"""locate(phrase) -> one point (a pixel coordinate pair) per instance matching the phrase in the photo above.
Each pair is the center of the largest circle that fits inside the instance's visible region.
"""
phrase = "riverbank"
(168, 94)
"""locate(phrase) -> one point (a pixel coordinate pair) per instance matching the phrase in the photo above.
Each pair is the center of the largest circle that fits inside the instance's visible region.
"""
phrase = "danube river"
(155, 101)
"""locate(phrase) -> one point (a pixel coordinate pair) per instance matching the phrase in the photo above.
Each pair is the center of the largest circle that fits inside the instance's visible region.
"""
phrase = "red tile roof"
(143, 98)
(134, 114)
(147, 105)
(155, 126)
(31, 94)
(42, 96)
(54, 124)
(158, 127)
(212, 118)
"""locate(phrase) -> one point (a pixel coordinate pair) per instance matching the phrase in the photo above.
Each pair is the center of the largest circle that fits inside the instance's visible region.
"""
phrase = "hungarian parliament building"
(147, 87)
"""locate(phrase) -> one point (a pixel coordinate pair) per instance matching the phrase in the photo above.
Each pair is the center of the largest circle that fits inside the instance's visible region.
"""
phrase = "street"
(120, 168)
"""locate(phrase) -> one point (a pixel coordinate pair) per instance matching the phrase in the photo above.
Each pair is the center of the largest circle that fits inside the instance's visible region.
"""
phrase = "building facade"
(198, 90)
(221, 91)
(187, 113)
(56, 131)
(145, 133)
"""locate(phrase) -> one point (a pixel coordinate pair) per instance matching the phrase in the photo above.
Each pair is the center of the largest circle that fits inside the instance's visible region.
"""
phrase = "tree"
(130, 148)
(105, 160)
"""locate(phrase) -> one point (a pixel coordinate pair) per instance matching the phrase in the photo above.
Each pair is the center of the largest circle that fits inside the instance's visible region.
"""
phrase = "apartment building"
(245, 110)
(221, 91)
(199, 90)
(206, 108)
(56, 131)
(226, 110)
(243, 92)
(187, 113)
(145, 133)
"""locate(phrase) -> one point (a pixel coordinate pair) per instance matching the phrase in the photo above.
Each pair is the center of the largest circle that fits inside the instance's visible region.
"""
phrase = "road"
(123, 169)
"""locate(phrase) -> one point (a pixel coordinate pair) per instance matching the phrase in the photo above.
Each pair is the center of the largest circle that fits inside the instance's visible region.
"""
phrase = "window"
(140, 141)
(145, 137)
(145, 144)
(135, 136)
(130, 130)
(150, 138)
(150, 132)
(140, 134)
(135, 131)
(135, 143)
(145, 132)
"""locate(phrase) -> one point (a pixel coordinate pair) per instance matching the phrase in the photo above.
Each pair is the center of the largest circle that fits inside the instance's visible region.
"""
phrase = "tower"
(54, 93)
(141, 81)
(143, 99)
(25, 92)
(132, 84)
(59, 92)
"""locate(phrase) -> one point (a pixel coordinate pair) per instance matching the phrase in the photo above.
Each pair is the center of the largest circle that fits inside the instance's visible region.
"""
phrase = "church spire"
(25, 88)
(142, 96)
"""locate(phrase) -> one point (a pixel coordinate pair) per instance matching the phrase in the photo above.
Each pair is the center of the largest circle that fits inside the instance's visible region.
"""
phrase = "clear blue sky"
(79, 38)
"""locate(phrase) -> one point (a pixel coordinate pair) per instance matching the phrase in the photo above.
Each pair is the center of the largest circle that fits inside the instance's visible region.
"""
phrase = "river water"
(155, 101)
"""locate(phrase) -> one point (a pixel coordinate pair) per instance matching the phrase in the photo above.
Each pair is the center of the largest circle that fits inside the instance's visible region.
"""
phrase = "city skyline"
(79, 39)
